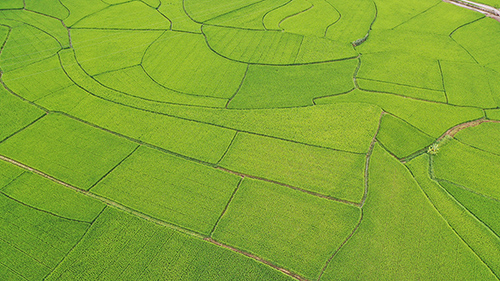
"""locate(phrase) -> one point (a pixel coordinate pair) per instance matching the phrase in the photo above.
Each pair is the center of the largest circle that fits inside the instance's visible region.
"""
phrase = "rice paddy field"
(249, 140)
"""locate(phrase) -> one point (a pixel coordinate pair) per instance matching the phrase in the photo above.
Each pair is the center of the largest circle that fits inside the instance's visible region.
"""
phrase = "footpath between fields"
(486, 10)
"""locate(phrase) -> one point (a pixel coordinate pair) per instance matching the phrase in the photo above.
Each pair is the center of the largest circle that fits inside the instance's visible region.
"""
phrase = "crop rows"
(248, 140)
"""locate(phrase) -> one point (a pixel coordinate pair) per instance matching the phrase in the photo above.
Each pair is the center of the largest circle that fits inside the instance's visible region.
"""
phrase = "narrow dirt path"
(126, 209)
(486, 10)
(292, 187)
(368, 158)
(453, 131)
(285, 271)
(449, 133)
(100, 198)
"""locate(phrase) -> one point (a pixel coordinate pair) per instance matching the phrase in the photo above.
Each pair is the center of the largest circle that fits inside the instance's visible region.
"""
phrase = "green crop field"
(244, 140)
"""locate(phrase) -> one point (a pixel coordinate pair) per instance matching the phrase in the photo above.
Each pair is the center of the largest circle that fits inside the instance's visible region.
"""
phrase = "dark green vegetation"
(248, 140)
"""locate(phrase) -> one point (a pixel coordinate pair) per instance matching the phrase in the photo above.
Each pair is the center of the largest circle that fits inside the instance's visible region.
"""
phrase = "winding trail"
(453, 131)
(486, 10)
(450, 133)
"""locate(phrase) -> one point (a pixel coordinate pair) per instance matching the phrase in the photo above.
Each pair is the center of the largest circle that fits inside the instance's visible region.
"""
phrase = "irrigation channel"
(486, 10)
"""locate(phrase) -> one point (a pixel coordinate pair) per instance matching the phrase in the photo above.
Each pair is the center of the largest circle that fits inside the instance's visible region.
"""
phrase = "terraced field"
(249, 140)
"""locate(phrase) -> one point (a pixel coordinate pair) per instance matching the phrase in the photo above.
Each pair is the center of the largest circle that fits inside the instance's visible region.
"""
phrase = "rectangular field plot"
(328, 172)
(473, 91)
(403, 69)
(67, 150)
(170, 188)
(121, 247)
(344, 126)
(287, 86)
(404, 45)
(46, 195)
(15, 114)
(32, 242)
(403, 90)
(287, 227)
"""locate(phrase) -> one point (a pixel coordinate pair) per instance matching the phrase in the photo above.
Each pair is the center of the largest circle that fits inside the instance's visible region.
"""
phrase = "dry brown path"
(486, 10)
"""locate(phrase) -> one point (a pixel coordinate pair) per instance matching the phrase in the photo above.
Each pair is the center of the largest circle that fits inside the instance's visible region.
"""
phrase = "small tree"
(433, 149)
